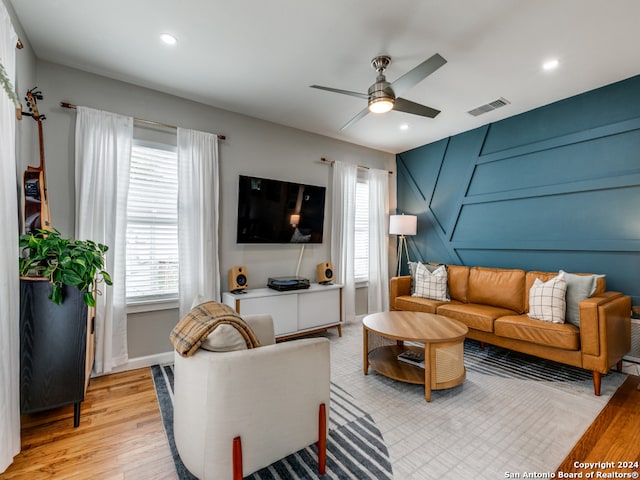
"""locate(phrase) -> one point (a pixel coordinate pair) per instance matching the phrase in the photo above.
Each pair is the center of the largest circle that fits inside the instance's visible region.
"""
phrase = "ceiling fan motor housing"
(381, 97)
(380, 93)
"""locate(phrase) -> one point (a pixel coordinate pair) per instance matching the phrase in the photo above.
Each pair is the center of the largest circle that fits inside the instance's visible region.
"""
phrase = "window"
(152, 224)
(361, 241)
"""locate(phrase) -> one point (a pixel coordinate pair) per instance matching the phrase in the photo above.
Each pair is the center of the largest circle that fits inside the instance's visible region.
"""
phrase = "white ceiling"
(258, 57)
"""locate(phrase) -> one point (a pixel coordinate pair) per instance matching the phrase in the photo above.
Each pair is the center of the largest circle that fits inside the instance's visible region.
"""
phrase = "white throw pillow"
(547, 300)
(432, 285)
(412, 271)
(225, 338)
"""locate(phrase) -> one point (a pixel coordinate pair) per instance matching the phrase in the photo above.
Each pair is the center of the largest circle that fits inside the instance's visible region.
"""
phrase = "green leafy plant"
(64, 261)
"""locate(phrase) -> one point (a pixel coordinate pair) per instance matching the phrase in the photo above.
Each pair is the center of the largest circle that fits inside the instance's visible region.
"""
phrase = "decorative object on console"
(324, 272)
(402, 225)
(238, 279)
(284, 284)
(64, 261)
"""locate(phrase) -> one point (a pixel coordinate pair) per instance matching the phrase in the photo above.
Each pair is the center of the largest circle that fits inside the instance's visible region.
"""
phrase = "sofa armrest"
(398, 287)
(605, 330)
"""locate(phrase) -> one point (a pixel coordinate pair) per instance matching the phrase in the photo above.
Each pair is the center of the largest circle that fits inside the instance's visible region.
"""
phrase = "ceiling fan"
(384, 96)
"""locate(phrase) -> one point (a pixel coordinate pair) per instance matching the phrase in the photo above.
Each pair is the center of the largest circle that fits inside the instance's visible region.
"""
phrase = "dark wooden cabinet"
(56, 348)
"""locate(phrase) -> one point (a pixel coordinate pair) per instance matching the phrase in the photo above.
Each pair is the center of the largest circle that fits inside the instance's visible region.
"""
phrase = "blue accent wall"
(554, 188)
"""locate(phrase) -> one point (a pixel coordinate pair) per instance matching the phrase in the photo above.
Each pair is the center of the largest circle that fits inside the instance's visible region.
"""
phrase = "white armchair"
(237, 412)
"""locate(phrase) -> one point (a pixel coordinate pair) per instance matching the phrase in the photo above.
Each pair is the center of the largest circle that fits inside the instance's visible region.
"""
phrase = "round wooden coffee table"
(384, 335)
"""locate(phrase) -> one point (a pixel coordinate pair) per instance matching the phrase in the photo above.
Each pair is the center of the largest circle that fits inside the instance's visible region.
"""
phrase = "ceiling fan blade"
(359, 116)
(407, 106)
(343, 92)
(419, 73)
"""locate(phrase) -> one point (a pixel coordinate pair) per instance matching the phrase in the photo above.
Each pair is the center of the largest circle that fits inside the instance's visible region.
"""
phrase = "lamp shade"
(403, 224)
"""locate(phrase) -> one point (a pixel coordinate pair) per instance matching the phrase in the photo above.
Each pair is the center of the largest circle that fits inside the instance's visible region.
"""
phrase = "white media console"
(295, 312)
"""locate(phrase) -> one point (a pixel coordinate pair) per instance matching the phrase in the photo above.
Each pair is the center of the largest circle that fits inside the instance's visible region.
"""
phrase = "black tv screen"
(274, 211)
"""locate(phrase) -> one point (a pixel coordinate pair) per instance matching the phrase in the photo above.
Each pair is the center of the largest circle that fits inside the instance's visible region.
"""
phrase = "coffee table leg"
(365, 350)
(427, 372)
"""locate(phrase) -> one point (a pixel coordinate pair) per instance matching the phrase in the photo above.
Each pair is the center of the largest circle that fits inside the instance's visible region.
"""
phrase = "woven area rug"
(355, 448)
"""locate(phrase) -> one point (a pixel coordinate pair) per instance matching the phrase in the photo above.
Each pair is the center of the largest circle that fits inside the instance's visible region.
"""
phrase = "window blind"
(361, 232)
(152, 225)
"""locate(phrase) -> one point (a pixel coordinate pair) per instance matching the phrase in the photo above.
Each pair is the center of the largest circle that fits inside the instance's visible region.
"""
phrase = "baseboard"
(146, 361)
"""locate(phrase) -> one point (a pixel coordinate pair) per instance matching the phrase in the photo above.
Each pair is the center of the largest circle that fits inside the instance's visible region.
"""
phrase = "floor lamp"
(402, 225)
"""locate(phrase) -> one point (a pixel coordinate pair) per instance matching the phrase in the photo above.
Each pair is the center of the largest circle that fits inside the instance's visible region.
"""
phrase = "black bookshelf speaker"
(324, 272)
(238, 279)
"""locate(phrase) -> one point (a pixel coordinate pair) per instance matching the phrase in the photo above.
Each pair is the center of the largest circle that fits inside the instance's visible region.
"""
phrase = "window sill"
(152, 306)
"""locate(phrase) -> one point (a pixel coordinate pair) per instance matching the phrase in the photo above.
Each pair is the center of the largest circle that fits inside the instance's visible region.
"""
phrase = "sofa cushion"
(579, 287)
(521, 327)
(499, 287)
(429, 284)
(418, 304)
(478, 317)
(458, 280)
(547, 300)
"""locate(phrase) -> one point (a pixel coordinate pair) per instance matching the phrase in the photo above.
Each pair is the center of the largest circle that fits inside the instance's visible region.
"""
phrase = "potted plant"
(58, 284)
(63, 261)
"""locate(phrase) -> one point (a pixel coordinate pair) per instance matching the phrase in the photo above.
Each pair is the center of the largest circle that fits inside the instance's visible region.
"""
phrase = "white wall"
(252, 147)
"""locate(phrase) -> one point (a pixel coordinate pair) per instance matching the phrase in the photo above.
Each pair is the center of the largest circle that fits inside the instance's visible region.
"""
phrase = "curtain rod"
(331, 162)
(139, 120)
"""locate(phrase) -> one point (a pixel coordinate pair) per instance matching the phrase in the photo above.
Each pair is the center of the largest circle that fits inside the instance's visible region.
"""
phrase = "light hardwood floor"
(614, 436)
(121, 435)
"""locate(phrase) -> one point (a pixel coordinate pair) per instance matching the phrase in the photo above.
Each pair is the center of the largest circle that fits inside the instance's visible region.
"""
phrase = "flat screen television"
(274, 211)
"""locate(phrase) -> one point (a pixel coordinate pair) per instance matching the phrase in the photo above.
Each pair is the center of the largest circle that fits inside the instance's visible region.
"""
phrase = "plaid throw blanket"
(195, 326)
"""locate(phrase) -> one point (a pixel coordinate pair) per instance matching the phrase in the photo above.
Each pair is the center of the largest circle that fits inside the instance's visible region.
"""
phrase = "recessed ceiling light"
(404, 126)
(550, 64)
(168, 39)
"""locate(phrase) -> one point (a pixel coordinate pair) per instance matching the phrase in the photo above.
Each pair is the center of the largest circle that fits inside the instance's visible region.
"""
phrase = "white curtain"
(9, 285)
(103, 155)
(198, 217)
(345, 177)
(378, 291)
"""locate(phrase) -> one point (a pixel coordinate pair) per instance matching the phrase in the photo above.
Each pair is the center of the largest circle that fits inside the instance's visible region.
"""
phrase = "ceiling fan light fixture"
(381, 98)
(380, 105)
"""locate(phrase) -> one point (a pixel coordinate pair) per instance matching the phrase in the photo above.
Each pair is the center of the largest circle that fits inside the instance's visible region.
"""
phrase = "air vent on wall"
(501, 102)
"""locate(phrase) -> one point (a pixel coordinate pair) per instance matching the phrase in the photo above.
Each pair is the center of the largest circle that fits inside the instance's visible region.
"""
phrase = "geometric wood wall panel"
(554, 188)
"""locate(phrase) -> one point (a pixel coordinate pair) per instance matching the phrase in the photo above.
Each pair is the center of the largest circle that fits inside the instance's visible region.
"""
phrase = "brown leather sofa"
(494, 302)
